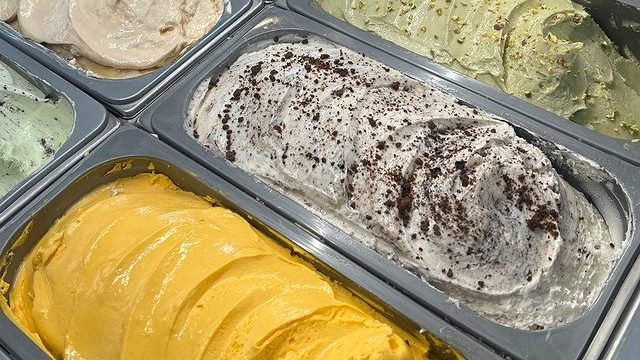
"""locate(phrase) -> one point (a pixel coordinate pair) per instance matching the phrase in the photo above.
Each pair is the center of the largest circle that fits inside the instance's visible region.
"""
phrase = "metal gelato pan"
(90, 119)
(127, 97)
(623, 344)
(134, 151)
(620, 20)
(615, 193)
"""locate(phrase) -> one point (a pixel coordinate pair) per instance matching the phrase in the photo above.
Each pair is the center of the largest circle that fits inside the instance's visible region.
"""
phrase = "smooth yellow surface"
(139, 269)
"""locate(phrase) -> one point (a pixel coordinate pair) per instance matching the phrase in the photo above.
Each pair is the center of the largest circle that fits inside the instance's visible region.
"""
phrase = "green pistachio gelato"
(550, 52)
(33, 126)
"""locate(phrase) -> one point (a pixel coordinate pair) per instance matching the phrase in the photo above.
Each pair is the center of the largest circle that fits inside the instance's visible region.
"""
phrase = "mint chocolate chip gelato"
(446, 191)
(550, 53)
(33, 126)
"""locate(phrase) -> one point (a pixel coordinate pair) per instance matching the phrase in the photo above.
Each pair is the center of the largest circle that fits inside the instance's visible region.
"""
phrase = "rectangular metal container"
(620, 192)
(620, 19)
(138, 150)
(127, 97)
(91, 119)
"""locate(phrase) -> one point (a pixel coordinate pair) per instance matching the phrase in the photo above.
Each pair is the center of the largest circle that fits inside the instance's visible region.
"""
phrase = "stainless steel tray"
(619, 18)
(138, 150)
(127, 97)
(91, 119)
(620, 193)
(623, 344)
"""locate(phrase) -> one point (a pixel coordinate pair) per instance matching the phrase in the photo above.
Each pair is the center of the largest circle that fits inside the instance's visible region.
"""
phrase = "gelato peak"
(33, 126)
(121, 35)
(550, 53)
(443, 189)
(167, 275)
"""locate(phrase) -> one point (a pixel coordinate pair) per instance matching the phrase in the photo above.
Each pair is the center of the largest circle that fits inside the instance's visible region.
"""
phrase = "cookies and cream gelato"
(446, 191)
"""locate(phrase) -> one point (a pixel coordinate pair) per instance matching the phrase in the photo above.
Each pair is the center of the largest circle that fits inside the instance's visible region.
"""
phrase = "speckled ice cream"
(447, 192)
(33, 126)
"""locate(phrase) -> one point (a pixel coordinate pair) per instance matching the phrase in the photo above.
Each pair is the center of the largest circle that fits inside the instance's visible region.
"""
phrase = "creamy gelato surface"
(33, 126)
(8, 9)
(115, 38)
(139, 269)
(446, 191)
(550, 53)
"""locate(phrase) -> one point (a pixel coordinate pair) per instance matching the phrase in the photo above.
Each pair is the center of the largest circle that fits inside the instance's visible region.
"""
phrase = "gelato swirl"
(550, 53)
(444, 190)
(168, 275)
(33, 126)
(115, 38)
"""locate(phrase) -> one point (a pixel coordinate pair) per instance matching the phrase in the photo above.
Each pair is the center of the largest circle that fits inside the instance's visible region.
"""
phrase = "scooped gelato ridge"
(446, 191)
(140, 269)
(550, 53)
(115, 38)
(33, 126)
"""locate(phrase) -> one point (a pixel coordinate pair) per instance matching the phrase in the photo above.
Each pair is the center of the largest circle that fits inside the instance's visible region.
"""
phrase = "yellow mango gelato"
(139, 269)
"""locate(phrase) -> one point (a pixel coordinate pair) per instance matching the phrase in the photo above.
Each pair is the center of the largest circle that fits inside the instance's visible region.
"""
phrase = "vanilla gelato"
(115, 38)
(446, 191)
